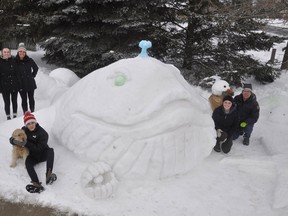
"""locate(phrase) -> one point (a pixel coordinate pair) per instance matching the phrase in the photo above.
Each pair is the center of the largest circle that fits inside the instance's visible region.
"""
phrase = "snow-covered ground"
(250, 180)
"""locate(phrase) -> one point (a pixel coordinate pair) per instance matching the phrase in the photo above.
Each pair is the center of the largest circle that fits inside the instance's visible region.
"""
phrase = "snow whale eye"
(225, 86)
(120, 79)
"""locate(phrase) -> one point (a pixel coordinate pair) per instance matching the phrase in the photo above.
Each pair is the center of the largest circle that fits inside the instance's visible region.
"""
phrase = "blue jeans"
(247, 131)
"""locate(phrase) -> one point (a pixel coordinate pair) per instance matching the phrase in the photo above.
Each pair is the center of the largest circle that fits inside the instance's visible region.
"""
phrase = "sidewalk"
(13, 209)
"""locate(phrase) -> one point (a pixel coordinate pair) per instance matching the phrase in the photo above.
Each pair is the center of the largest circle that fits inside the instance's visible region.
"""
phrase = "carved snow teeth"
(98, 180)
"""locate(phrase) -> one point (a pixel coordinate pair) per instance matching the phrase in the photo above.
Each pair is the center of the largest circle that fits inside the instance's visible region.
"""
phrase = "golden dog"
(19, 151)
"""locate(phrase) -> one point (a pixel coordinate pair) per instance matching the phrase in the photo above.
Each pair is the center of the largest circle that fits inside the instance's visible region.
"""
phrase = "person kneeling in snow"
(226, 121)
(248, 109)
(37, 143)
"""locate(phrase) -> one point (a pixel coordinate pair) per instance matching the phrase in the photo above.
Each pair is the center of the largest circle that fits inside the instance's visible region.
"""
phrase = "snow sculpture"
(273, 114)
(219, 89)
(144, 45)
(64, 77)
(152, 125)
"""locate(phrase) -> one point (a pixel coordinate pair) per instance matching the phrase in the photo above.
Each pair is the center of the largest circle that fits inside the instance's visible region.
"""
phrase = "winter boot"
(217, 147)
(50, 177)
(8, 117)
(35, 187)
(14, 115)
(246, 141)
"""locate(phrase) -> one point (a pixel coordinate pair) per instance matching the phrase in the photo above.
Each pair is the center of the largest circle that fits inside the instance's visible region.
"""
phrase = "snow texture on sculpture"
(144, 125)
(273, 114)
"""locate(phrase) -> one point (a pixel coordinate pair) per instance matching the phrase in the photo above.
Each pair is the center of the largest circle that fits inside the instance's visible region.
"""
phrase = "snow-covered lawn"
(250, 180)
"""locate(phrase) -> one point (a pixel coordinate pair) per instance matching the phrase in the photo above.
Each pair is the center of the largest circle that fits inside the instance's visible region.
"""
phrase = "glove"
(219, 132)
(222, 136)
(16, 142)
(243, 124)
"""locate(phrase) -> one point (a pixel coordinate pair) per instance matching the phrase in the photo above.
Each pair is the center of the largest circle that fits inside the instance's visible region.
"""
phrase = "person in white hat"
(27, 68)
(248, 109)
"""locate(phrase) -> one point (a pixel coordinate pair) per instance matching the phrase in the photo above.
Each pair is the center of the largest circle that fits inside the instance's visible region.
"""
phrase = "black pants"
(6, 97)
(48, 156)
(226, 146)
(27, 95)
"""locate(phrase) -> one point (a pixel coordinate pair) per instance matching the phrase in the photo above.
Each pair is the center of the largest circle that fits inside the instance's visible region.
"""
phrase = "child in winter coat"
(226, 121)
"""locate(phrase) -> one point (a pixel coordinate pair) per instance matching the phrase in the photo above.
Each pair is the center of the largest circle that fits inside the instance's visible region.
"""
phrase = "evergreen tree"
(218, 35)
(85, 35)
(7, 20)
(202, 37)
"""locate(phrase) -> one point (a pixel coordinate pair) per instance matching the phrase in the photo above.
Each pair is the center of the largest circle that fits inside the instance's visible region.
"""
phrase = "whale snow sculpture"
(136, 118)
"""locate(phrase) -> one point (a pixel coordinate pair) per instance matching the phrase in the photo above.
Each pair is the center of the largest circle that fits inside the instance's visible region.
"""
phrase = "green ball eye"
(120, 80)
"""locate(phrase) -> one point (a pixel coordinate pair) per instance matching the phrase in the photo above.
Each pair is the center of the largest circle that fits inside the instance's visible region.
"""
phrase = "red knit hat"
(29, 117)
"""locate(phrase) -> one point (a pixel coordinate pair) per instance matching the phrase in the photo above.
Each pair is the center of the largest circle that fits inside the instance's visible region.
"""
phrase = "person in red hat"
(39, 151)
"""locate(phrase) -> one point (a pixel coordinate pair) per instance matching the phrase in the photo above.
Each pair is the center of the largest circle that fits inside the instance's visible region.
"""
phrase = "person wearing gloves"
(27, 68)
(248, 109)
(39, 151)
(226, 121)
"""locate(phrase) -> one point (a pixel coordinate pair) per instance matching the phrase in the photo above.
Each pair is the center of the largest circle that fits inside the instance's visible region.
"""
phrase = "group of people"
(17, 74)
(235, 117)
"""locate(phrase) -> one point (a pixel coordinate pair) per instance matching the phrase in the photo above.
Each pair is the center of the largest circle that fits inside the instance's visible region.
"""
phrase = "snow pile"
(51, 86)
(64, 77)
(274, 116)
(138, 118)
(250, 180)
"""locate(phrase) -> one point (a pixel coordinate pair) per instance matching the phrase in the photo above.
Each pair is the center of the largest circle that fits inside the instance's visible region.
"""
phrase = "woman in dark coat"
(226, 121)
(27, 69)
(10, 82)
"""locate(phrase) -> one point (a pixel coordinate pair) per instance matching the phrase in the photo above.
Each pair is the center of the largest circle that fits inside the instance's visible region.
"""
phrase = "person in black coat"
(226, 120)
(39, 151)
(27, 68)
(248, 109)
(10, 82)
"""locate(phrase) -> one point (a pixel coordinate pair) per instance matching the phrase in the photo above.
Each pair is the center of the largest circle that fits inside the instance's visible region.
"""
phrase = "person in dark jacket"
(27, 68)
(10, 82)
(226, 120)
(39, 151)
(248, 109)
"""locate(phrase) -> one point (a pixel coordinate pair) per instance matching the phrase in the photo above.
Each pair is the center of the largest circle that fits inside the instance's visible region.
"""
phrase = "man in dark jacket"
(39, 151)
(248, 109)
